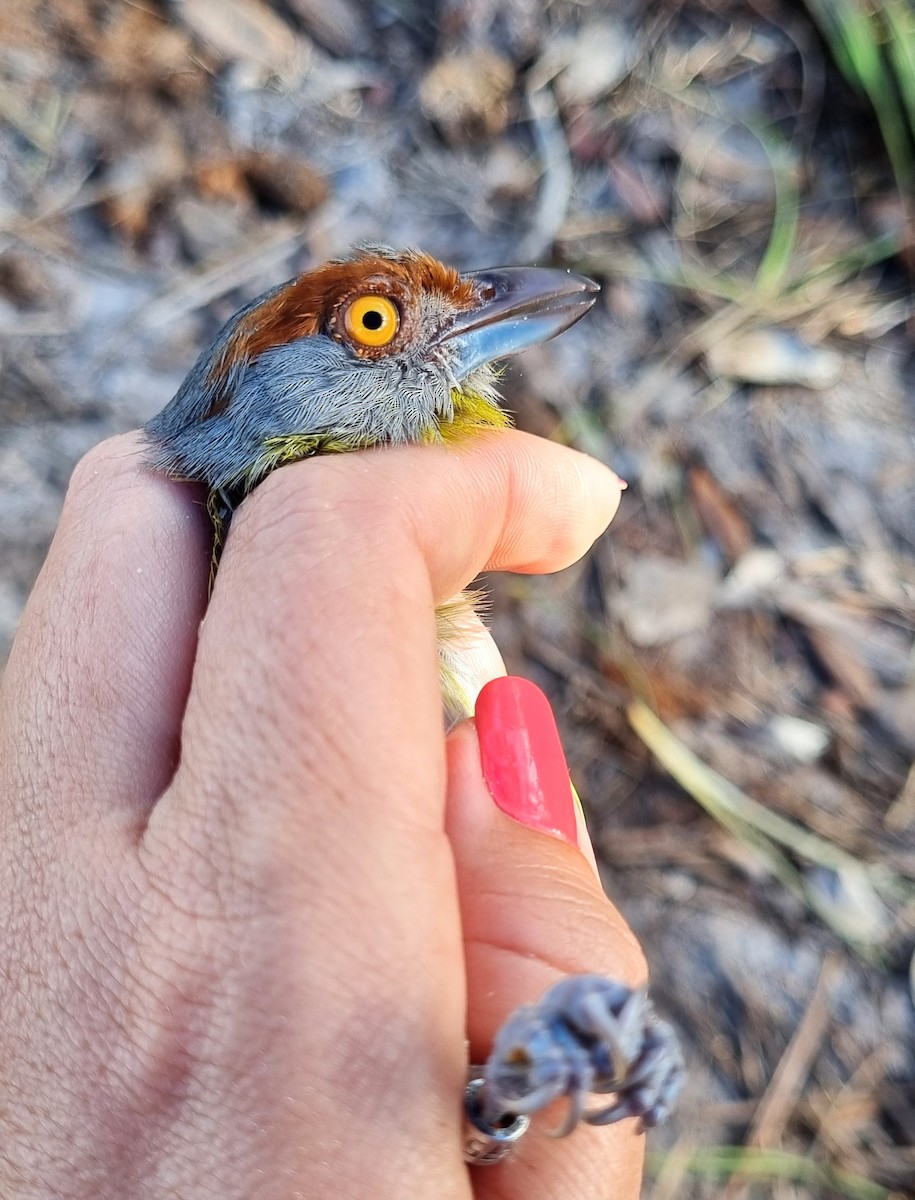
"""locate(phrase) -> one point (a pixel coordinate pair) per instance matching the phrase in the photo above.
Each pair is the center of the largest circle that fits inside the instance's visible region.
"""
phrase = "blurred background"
(733, 665)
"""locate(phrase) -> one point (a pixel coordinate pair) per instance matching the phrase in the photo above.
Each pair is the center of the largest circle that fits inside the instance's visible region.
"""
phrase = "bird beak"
(518, 307)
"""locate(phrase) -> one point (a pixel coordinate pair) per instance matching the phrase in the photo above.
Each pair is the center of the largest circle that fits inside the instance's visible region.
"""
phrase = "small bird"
(385, 346)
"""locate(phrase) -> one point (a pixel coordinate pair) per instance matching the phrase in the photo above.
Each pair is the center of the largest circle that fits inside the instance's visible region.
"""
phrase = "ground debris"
(466, 94)
(748, 369)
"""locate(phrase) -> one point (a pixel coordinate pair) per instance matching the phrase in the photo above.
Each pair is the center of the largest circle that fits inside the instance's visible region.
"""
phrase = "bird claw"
(587, 1034)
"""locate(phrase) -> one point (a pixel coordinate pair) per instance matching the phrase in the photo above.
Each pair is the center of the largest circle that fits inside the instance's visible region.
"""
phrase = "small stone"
(846, 896)
(752, 578)
(773, 357)
(208, 228)
(664, 599)
(588, 64)
(800, 740)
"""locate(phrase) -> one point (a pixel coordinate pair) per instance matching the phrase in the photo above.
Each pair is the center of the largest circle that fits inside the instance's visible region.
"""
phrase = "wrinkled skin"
(246, 883)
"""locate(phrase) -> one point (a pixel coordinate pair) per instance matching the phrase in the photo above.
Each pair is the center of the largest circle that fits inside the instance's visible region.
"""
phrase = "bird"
(383, 346)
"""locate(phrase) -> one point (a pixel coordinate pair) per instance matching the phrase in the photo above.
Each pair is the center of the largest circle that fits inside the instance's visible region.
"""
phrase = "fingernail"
(523, 763)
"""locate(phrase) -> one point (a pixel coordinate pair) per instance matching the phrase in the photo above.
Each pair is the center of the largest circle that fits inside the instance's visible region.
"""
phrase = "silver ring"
(486, 1144)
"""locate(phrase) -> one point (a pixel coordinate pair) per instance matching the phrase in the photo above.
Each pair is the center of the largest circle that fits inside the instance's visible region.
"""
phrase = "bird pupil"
(372, 319)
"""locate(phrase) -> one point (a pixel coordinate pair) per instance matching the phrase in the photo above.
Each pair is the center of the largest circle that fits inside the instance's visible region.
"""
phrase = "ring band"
(486, 1144)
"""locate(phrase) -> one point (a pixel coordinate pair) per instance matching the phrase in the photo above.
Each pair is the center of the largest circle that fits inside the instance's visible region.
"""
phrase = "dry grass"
(733, 665)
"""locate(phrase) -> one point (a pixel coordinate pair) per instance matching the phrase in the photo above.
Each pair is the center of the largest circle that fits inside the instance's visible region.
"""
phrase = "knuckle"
(318, 506)
(111, 458)
(570, 927)
(112, 465)
(587, 924)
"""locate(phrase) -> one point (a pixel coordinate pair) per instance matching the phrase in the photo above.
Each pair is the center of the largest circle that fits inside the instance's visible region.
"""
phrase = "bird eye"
(371, 320)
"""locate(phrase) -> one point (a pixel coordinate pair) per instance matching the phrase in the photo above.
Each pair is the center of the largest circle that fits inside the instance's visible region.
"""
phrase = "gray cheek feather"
(316, 386)
(311, 385)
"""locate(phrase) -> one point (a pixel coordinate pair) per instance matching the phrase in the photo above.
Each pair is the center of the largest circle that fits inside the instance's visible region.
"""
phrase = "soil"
(747, 369)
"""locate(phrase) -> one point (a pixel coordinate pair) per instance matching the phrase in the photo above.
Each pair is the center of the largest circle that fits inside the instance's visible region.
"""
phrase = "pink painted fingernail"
(523, 762)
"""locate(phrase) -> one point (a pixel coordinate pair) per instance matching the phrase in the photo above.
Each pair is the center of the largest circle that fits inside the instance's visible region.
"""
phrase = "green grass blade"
(724, 1162)
(855, 37)
(775, 265)
(899, 16)
(764, 831)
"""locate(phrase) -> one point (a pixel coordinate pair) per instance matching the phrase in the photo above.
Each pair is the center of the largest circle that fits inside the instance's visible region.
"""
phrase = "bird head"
(384, 346)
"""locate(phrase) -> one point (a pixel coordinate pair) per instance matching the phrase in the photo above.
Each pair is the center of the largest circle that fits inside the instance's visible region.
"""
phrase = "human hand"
(251, 903)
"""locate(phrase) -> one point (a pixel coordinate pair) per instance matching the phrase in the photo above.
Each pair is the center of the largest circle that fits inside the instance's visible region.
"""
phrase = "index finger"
(309, 803)
(323, 609)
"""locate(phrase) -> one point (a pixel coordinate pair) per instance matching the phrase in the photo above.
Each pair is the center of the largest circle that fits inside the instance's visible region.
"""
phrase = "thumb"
(532, 911)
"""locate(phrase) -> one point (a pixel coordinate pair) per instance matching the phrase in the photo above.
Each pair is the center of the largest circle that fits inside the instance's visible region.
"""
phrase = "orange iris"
(371, 320)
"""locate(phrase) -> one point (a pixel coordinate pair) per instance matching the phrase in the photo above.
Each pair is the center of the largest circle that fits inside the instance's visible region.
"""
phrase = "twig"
(556, 185)
(787, 1083)
(765, 831)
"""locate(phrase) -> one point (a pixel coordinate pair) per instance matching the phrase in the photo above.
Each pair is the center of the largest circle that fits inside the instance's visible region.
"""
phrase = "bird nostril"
(487, 292)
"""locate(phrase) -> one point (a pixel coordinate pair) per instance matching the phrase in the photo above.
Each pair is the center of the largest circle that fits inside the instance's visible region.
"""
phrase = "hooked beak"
(519, 307)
